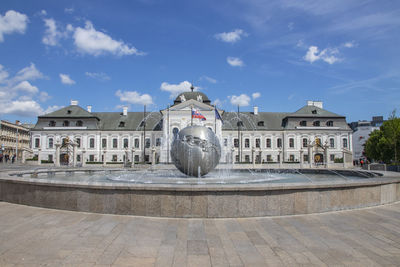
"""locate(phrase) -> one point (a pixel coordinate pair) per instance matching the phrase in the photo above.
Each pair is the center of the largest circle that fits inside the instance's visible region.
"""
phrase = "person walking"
(13, 159)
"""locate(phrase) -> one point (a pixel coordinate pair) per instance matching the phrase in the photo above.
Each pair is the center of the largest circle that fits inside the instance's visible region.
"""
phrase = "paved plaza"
(33, 236)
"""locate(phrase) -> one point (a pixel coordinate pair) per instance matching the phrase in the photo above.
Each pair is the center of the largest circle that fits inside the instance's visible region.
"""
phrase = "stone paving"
(45, 237)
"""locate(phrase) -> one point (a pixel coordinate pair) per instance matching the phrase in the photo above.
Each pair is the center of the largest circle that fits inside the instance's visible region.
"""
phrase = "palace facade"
(77, 136)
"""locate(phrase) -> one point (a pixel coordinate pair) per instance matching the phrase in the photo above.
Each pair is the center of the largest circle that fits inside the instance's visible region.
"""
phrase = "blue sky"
(273, 54)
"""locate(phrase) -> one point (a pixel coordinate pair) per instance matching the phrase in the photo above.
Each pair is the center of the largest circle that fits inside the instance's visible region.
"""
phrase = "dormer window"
(314, 111)
(52, 123)
(303, 123)
(121, 124)
(69, 111)
(329, 123)
(316, 123)
(66, 123)
(79, 123)
(260, 123)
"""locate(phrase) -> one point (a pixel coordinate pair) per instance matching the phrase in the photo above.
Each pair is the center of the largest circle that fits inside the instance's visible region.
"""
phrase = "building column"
(39, 156)
(133, 158)
(310, 152)
(153, 153)
(232, 155)
(83, 158)
(104, 158)
(57, 159)
(301, 158)
(253, 156)
(326, 160)
(74, 148)
(280, 158)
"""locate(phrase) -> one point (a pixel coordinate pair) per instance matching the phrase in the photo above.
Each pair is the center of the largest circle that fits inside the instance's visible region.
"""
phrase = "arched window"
(51, 142)
(316, 123)
(332, 142)
(121, 124)
(79, 123)
(125, 142)
(329, 123)
(303, 123)
(345, 142)
(91, 143)
(305, 142)
(66, 123)
(175, 132)
(260, 123)
(291, 142)
(52, 123)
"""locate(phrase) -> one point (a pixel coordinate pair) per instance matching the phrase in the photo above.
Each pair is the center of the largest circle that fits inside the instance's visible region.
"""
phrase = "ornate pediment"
(189, 104)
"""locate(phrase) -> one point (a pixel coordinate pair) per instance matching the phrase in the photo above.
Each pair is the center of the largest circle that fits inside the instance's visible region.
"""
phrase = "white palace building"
(310, 136)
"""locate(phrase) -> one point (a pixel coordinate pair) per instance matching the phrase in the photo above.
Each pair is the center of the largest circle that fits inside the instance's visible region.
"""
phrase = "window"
(50, 142)
(225, 142)
(269, 158)
(247, 142)
(125, 142)
(91, 143)
(236, 142)
(79, 123)
(329, 123)
(316, 123)
(268, 142)
(37, 142)
(78, 158)
(258, 142)
(332, 142)
(291, 158)
(314, 111)
(137, 158)
(103, 143)
(158, 141)
(291, 142)
(305, 142)
(175, 132)
(344, 142)
(52, 123)
(78, 142)
(115, 143)
(91, 158)
(247, 158)
(332, 157)
(260, 123)
(279, 142)
(237, 158)
(317, 141)
(114, 158)
(137, 143)
(50, 158)
(66, 123)
(305, 158)
(303, 123)
(147, 142)
(121, 124)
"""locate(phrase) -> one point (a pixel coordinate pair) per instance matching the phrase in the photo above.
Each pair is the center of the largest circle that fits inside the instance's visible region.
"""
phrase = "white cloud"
(101, 76)
(89, 40)
(28, 73)
(255, 95)
(51, 109)
(3, 74)
(26, 87)
(69, 10)
(208, 79)
(291, 26)
(134, 97)
(329, 55)
(25, 108)
(218, 103)
(241, 100)
(43, 12)
(43, 96)
(12, 21)
(52, 35)
(349, 44)
(65, 79)
(176, 89)
(234, 61)
(230, 37)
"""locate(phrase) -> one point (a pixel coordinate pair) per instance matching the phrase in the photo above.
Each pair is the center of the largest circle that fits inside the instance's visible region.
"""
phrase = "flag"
(218, 116)
(196, 114)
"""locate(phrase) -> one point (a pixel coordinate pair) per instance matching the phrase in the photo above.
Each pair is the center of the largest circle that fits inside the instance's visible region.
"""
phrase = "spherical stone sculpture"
(195, 150)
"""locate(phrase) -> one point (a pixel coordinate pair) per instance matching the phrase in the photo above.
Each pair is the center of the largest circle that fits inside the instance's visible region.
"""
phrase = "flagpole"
(215, 119)
(191, 115)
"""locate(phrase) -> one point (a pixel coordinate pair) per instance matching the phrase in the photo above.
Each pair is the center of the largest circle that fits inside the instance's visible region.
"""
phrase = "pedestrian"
(6, 156)
(361, 163)
(13, 159)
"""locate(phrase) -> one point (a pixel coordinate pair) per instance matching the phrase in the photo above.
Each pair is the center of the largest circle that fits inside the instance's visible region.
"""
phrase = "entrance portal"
(319, 158)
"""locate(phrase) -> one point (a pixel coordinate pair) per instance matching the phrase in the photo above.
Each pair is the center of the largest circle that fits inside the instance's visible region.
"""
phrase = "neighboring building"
(361, 131)
(309, 134)
(14, 139)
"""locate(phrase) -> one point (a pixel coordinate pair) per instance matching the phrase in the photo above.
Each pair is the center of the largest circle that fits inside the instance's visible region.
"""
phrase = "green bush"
(47, 161)
(94, 162)
(338, 160)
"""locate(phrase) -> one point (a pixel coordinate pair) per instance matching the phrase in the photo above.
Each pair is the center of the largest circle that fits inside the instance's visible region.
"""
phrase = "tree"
(384, 144)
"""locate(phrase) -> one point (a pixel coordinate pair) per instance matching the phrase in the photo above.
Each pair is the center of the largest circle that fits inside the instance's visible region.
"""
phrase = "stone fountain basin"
(44, 188)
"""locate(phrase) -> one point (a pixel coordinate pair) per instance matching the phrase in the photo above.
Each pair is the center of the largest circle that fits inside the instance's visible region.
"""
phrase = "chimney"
(89, 109)
(125, 111)
(318, 104)
(74, 102)
(255, 110)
